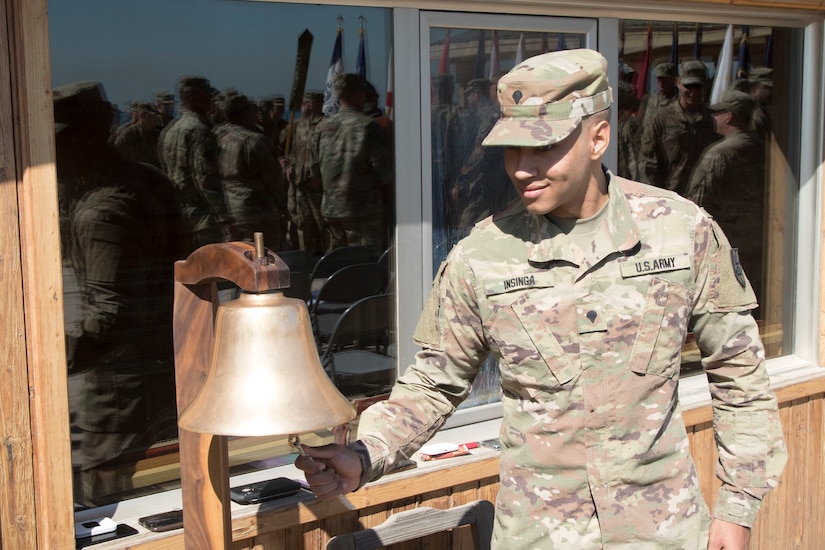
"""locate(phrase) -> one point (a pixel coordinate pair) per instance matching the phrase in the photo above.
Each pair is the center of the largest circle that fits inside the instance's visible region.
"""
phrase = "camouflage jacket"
(132, 144)
(594, 449)
(671, 145)
(350, 155)
(301, 161)
(253, 182)
(189, 154)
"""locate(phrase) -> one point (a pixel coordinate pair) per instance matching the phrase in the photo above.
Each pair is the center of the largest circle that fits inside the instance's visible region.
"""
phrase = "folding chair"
(420, 522)
(337, 258)
(341, 290)
(356, 354)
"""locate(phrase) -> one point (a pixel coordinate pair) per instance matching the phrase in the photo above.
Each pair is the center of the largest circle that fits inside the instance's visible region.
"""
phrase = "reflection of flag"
(697, 44)
(478, 68)
(520, 49)
(744, 54)
(544, 45)
(444, 66)
(724, 68)
(769, 51)
(361, 62)
(494, 62)
(562, 43)
(640, 76)
(390, 78)
(336, 65)
(674, 45)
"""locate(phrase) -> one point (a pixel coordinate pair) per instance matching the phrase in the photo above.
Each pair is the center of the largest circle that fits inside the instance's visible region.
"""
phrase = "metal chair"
(341, 290)
(356, 355)
(337, 258)
(420, 522)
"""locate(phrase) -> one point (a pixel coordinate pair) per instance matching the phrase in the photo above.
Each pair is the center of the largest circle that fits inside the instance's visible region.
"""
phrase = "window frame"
(35, 178)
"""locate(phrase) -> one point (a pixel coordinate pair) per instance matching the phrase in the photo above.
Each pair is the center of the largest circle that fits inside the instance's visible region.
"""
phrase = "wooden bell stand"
(204, 458)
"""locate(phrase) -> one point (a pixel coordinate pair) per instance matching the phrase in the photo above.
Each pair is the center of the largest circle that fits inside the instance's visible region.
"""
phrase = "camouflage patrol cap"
(314, 96)
(348, 82)
(144, 107)
(544, 98)
(761, 75)
(665, 69)
(234, 103)
(164, 97)
(189, 84)
(693, 72)
(481, 85)
(736, 102)
(278, 101)
(80, 103)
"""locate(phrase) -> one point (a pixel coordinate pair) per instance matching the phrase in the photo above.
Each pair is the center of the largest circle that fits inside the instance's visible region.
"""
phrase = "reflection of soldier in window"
(452, 141)
(729, 181)
(482, 186)
(123, 234)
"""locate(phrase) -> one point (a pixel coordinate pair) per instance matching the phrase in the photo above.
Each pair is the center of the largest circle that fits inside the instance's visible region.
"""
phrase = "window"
(176, 126)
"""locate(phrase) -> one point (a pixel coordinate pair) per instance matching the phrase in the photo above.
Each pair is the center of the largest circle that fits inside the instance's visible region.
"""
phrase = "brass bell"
(265, 377)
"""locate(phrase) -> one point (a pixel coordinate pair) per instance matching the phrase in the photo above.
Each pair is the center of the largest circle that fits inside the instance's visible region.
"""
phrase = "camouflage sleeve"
(700, 187)
(453, 347)
(272, 174)
(746, 419)
(380, 155)
(204, 161)
(650, 163)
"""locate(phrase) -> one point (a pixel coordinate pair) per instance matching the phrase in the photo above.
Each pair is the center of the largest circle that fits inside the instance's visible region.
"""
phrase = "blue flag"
(744, 55)
(674, 45)
(697, 44)
(361, 62)
(481, 58)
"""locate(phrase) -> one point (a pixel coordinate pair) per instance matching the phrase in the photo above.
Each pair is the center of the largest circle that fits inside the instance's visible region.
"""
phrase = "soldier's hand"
(333, 470)
(728, 536)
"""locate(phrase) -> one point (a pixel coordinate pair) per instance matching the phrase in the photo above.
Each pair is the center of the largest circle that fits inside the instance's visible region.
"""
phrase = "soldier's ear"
(599, 137)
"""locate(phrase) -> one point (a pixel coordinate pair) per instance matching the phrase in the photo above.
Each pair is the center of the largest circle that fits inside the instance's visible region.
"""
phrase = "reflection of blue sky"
(138, 47)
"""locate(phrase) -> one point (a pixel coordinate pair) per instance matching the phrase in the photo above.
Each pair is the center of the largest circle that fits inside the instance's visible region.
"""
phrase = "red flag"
(388, 101)
(640, 76)
(444, 66)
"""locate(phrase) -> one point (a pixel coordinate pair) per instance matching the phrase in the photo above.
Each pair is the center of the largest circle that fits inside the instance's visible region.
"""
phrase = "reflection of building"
(33, 399)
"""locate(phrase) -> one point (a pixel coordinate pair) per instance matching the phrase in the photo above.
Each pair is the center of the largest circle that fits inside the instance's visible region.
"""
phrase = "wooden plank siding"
(790, 518)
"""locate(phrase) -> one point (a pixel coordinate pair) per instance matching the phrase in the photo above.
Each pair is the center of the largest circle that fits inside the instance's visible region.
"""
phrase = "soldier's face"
(554, 179)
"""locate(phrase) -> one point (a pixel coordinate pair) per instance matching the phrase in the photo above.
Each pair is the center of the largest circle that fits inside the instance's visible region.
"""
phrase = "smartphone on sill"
(164, 521)
(262, 491)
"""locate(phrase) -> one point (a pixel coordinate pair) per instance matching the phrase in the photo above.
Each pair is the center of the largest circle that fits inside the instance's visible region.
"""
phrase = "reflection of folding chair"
(341, 290)
(355, 356)
(420, 522)
(337, 258)
(298, 260)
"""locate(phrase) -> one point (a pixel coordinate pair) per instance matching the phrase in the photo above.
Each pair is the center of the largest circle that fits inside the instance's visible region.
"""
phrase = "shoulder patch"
(733, 291)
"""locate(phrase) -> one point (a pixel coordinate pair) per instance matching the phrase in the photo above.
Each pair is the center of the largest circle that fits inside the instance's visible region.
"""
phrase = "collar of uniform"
(549, 244)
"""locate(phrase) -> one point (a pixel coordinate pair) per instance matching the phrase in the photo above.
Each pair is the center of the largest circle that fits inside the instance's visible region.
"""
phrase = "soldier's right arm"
(203, 155)
(650, 161)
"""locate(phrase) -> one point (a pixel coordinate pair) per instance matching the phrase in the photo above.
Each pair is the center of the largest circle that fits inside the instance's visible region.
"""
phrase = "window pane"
(152, 165)
(734, 156)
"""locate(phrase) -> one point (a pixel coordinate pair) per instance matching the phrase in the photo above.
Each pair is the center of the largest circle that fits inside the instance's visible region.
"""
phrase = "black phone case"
(261, 491)
(165, 521)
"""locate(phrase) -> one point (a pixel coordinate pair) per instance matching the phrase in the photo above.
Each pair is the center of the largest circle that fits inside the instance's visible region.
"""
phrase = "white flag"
(336, 65)
(724, 68)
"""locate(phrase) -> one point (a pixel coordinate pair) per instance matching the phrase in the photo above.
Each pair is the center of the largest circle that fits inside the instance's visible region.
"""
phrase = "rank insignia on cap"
(737, 267)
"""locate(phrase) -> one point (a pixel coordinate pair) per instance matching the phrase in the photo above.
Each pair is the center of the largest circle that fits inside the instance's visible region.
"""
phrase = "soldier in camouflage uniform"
(676, 136)
(165, 106)
(253, 183)
(350, 157)
(139, 141)
(761, 88)
(585, 292)
(666, 93)
(729, 181)
(629, 132)
(306, 193)
(189, 156)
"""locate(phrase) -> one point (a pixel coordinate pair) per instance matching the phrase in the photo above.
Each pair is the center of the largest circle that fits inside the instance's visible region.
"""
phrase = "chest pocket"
(532, 361)
(662, 329)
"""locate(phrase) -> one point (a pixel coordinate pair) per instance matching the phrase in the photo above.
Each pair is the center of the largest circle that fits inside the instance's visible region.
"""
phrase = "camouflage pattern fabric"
(304, 198)
(672, 144)
(628, 147)
(253, 183)
(653, 103)
(135, 145)
(350, 156)
(542, 100)
(594, 449)
(729, 182)
(189, 153)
